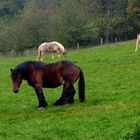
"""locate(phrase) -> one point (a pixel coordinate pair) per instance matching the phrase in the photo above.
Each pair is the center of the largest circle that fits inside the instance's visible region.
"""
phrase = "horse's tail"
(38, 54)
(81, 87)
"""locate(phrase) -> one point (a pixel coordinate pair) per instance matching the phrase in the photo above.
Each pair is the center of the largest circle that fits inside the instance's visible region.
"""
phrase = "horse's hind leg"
(41, 98)
(70, 94)
(42, 54)
(62, 99)
(67, 95)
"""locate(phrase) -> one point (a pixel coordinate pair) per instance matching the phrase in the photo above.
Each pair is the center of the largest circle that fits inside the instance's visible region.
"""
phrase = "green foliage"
(28, 23)
(135, 135)
(71, 23)
(134, 13)
(11, 7)
(112, 18)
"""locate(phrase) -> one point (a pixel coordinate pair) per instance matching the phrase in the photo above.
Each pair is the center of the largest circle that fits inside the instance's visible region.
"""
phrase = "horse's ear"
(11, 69)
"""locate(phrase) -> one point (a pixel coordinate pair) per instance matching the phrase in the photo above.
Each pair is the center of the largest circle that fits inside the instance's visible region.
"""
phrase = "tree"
(133, 11)
(112, 17)
(31, 26)
(70, 23)
(28, 23)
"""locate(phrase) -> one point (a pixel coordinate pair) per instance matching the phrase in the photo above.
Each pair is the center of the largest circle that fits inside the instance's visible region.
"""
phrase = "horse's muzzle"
(15, 91)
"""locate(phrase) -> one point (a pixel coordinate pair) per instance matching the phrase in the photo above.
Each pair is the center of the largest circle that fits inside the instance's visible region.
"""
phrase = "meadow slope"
(111, 110)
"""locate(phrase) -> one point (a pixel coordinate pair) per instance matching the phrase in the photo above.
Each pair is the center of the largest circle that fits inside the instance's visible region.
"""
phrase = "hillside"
(111, 110)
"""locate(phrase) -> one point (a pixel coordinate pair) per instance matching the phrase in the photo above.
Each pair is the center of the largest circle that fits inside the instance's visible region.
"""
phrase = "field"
(111, 110)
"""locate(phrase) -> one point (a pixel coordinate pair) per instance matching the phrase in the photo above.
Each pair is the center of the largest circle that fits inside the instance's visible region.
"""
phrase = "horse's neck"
(24, 73)
(61, 48)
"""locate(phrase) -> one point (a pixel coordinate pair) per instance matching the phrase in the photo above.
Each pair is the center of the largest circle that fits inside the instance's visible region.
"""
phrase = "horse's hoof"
(58, 102)
(70, 102)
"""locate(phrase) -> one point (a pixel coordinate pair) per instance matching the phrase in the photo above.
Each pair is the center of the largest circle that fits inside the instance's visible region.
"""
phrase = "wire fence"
(26, 52)
(78, 46)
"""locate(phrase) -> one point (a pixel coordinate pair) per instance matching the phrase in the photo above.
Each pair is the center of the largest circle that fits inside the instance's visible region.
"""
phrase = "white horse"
(137, 42)
(50, 47)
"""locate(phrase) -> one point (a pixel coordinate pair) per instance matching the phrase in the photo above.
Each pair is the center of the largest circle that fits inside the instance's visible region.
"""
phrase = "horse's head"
(64, 52)
(16, 79)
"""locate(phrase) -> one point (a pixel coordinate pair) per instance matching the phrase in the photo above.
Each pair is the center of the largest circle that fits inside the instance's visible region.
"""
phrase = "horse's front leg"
(53, 55)
(41, 98)
(58, 53)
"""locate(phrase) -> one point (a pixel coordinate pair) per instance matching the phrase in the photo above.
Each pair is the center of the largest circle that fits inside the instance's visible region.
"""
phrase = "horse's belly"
(50, 79)
(50, 49)
(51, 85)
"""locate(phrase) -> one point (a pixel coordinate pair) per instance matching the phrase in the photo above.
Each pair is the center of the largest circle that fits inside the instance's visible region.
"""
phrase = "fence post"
(116, 39)
(78, 46)
(27, 52)
(101, 41)
(12, 53)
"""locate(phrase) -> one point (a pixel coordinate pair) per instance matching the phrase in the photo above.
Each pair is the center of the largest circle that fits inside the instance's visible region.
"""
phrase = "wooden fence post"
(12, 53)
(101, 41)
(78, 46)
(27, 52)
(116, 39)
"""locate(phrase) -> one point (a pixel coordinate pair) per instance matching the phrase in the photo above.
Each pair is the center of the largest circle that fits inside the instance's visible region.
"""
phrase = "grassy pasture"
(111, 110)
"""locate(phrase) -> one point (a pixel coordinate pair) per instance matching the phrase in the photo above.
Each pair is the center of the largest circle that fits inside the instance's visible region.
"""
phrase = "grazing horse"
(137, 42)
(41, 75)
(50, 47)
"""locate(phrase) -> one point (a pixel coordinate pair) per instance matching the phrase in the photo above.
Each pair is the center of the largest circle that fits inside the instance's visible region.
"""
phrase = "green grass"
(111, 110)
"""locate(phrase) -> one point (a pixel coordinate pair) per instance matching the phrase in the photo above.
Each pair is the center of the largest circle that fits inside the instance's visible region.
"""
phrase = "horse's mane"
(24, 67)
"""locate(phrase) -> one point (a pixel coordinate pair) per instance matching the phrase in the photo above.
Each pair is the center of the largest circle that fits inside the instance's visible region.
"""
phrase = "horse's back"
(70, 72)
(63, 65)
(49, 46)
(66, 67)
(59, 44)
(42, 46)
(54, 45)
(27, 64)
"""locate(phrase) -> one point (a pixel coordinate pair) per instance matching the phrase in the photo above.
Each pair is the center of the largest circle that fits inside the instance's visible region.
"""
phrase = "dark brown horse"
(41, 75)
